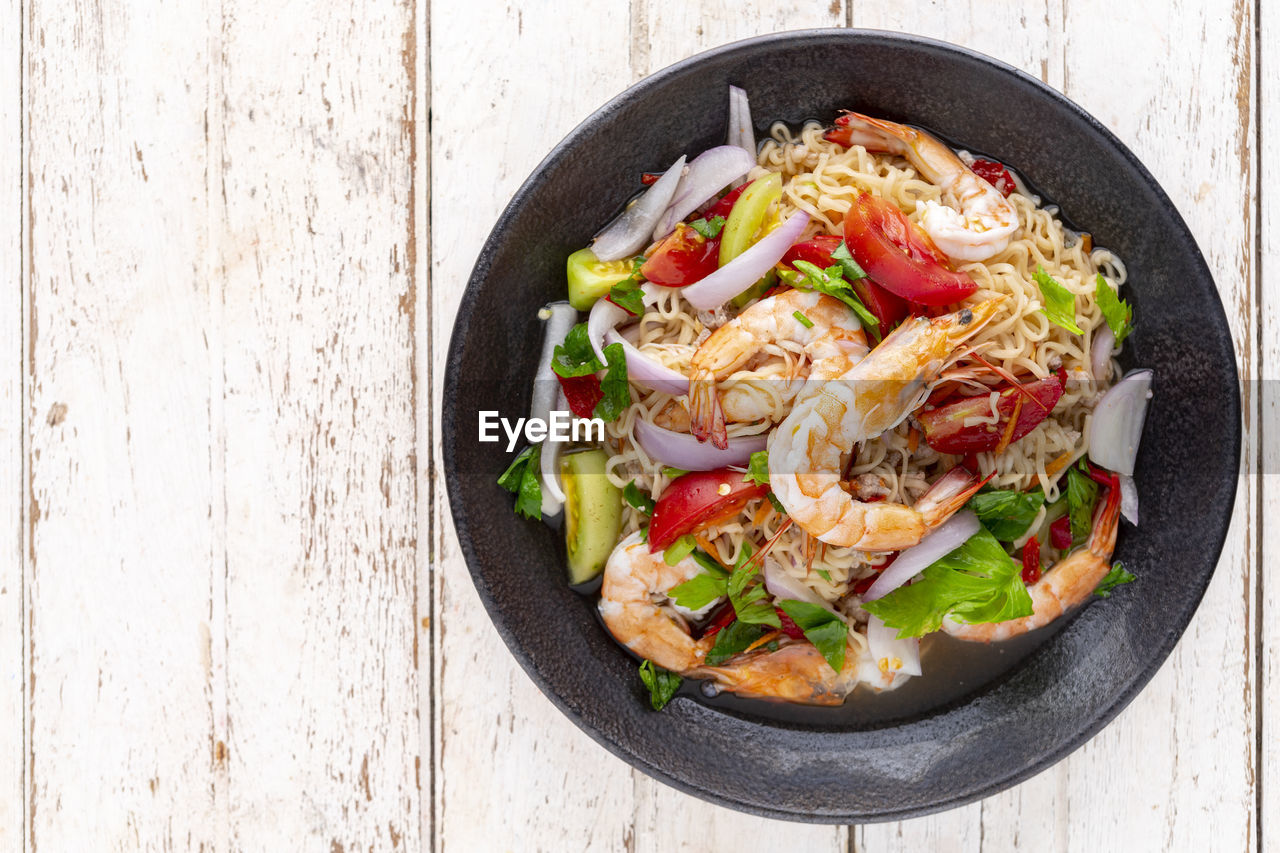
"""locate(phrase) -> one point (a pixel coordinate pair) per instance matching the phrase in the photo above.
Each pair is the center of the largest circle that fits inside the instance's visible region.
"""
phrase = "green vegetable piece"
(777, 504)
(662, 684)
(631, 494)
(748, 215)
(848, 265)
(827, 631)
(674, 473)
(803, 320)
(1082, 494)
(592, 513)
(1006, 513)
(627, 296)
(590, 278)
(617, 392)
(733, 640)
(757, 290)
(747, 594)
(1114, 578)
(1117, 312)
(679, 549)
(828, 281)
(758, 469)
(824, 574)
(521, 478)
(977, 582)
(708, 228)
(575, 357)
(1059, 303)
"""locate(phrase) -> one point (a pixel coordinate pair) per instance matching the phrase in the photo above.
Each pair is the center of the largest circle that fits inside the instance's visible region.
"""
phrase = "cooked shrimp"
(808, 449)
(829, 330)
(977, 221)
(796, 672)
(632, 599)
(1065, 585)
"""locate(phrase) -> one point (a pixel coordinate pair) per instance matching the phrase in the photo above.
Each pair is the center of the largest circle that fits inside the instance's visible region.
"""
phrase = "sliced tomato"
(889, 309)
(945, 430)
(995, 174)
(899, 256)
(724, 206)
(582, 393)
(697, 500)
(684, 257)
(1031, 561)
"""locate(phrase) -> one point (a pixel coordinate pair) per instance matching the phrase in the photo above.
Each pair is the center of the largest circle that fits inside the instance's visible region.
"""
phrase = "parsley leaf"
(733, 640)
(1082, 493)
(709, 228)
(1114, 578)
(1059, 303)
(631, 494)
(1115, 311)
(521, 478)
(824, 574)
(662, 684)
(627, 296)
(828, 281)
(575, 357)
(758, 468)
(699, 591)
(977, 582)
(852, 271)
(617, 393)
(1006, 513)
(748, 595)
(827, 631)
(777, 504)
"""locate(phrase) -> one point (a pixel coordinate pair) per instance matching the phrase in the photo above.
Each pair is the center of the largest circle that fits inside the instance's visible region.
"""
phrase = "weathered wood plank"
(12, 430)
(507, 82)
(322, 655)
(119, 428)
(663, 33)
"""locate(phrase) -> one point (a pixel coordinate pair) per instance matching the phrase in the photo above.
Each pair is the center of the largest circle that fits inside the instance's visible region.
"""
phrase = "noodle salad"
(855, 387)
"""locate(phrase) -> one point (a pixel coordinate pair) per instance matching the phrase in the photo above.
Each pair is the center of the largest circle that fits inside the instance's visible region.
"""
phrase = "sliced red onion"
(633, 229)
(1104, 344)
(746, 269)
(1117, 422)
(1129, 498)
(741, 132)
(883, 642)
(708, 173)
(549, 469)
(558, 318)
(950, 535)
(601, 330)
(681, 450)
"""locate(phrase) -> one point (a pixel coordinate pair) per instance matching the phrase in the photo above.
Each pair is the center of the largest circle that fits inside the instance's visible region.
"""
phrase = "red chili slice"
(1031, 561)
(1060, 533)
(995, 174)
(945, 430)
(582, 393)
(790, 628)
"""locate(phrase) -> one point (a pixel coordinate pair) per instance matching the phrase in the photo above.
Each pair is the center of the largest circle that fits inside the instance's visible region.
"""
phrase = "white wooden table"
(233, 235)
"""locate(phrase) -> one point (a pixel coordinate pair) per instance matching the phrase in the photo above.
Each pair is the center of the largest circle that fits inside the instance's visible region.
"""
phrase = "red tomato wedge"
(899, 256)
(684, 257)
(696, 500)
(889, 309)
(945, 430)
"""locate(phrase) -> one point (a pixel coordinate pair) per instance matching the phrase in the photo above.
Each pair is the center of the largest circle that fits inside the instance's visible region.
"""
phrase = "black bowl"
(841, 768)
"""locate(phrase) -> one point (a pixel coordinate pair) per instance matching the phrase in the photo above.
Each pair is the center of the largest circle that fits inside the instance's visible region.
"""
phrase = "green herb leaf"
(631, 494)
(827, 631)
(674, 473)
(802, 320)
(699, 591)
(824, 574)
(1059, 303)
(617, 392)
(977, 582)
(852, 271)
(708, 228)
(1006, 513)
(733, 640)
(627, 296)
(1114, 578)
(662, 684)
(758, 468)
(826, 281)
(777, 504)
(521, 478)
(702, 558)
(1082, 493)
(1117, 312)
(679, 549)
(575, 357)
(747, 593)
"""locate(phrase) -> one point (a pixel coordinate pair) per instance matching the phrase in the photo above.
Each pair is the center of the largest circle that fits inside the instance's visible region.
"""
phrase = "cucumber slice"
(592, 513)
(590, 278)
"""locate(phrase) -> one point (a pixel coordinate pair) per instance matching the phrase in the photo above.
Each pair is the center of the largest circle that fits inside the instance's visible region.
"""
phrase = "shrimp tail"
(706, 415)
(945, 497)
